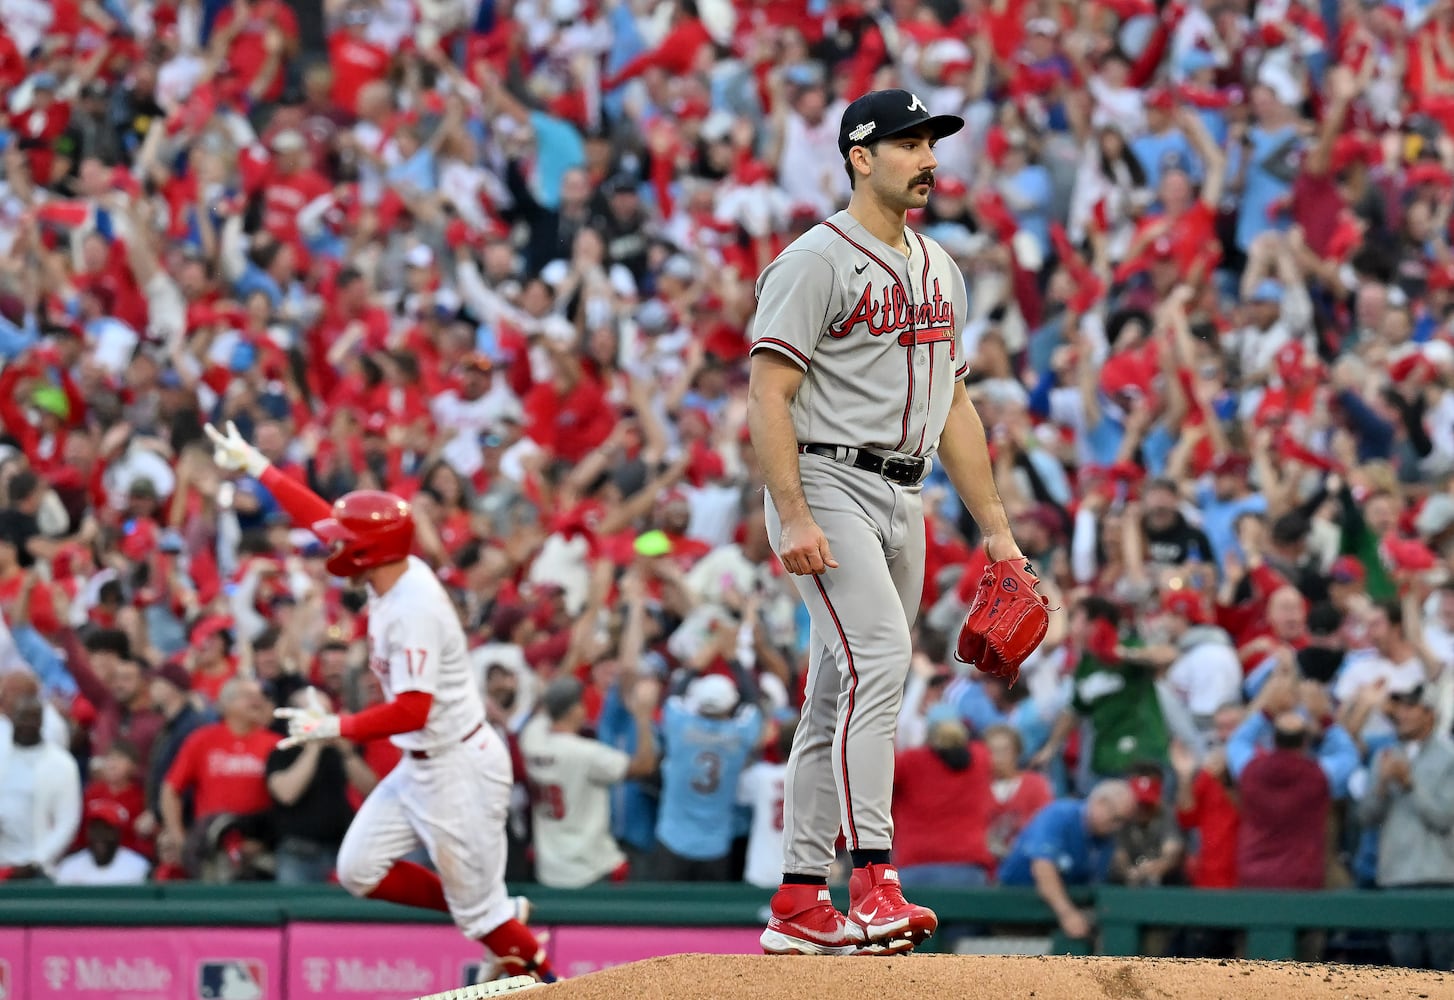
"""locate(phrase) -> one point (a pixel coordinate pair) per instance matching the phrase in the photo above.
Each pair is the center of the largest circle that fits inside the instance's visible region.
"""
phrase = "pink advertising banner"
(159, 963)
(579, 950)
(14, 981)
(377, 961)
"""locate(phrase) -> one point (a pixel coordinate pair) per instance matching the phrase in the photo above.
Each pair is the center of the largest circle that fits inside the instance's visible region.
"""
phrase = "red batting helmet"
(368, 528)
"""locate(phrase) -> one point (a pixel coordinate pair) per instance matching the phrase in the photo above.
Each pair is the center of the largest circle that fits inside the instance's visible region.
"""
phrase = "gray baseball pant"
(841, 771)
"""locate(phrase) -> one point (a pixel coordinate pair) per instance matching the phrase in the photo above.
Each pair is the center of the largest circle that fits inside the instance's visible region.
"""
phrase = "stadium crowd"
(499, 257)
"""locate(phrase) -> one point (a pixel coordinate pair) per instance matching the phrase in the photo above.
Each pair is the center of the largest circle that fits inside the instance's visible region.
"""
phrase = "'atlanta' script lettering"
(887, 310)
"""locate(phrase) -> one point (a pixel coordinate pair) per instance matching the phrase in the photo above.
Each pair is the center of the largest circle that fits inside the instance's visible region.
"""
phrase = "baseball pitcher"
(451, 791)
(856, 383)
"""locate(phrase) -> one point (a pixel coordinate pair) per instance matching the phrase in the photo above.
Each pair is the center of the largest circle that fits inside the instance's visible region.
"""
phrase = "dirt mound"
(966, 977)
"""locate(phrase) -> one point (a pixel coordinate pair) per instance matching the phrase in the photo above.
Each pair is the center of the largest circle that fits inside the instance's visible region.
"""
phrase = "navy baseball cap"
(880, 114)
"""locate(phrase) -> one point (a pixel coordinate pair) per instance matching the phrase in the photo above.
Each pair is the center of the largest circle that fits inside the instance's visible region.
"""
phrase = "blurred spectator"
(761, 789)
(1018, 794)
(117, 687)
(941, 808)
(116, 779)
(1070, 842)
(1206, 804)
(311, 786)
(224, 766)
(1115, 692)
(104, 860)
(171, 688)
(1149, 848)
(570, 780)
(706, 740)
(1409, 798)
(1284, 801)
(40, 798)
(1394, 657)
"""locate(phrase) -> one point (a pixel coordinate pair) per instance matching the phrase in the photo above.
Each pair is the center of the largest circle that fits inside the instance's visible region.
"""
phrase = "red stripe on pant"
(847, 719)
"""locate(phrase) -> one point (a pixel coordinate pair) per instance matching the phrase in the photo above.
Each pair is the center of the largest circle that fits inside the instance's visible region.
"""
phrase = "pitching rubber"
(515, 984)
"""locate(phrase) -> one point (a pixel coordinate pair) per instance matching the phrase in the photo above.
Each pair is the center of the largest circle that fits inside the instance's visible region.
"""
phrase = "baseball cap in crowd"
(420, 256)
(679, 266)
(562, 695)
(1146, 789)
(881, 114)
(1347, 569)
(1414, 692)
(109, 812)
(1231, 465)
(711, 695)
(654, 316)
(1188, 604)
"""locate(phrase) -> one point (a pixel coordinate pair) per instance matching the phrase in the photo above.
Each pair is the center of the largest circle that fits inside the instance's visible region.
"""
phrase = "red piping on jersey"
(870, 254)
(784, 345)
(929, 389)
(909, 402)
(852, 830)
(408, 712)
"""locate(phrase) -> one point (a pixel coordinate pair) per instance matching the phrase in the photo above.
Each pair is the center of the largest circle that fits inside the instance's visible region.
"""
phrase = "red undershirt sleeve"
(305, 507)
(409, 711)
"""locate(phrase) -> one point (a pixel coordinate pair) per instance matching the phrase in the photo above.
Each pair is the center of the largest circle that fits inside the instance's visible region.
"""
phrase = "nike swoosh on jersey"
(860, 268)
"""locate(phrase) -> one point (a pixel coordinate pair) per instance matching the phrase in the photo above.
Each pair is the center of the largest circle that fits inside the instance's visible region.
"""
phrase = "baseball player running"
(856, 382)
(451, 791)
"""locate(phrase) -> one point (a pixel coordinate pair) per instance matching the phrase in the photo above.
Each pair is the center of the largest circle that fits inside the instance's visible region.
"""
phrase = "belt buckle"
(905, 472)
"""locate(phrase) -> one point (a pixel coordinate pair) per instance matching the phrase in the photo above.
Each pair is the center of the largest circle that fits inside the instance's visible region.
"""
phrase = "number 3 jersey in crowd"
(416, 644)
(701, 765)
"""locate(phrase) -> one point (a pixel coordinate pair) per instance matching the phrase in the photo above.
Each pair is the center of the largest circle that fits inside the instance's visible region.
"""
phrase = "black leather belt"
(895, 468)
(426, 754)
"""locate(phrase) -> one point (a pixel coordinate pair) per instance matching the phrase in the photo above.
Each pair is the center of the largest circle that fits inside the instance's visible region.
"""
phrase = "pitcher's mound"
(966, 977)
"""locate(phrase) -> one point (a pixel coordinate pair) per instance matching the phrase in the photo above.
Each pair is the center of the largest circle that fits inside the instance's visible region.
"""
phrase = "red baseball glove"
(1007, 619)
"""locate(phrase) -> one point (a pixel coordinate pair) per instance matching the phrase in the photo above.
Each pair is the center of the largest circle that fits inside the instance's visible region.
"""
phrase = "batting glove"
(232, 453)
(308, 724)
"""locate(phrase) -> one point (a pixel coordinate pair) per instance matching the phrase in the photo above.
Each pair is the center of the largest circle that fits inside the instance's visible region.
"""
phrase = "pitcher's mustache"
(923, 179)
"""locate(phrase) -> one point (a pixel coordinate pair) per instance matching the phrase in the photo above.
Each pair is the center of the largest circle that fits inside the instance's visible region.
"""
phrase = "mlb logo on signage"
(231, 979)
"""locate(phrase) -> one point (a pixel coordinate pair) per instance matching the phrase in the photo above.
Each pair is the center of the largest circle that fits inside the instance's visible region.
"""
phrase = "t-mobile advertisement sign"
(378, 961)
(155, 964)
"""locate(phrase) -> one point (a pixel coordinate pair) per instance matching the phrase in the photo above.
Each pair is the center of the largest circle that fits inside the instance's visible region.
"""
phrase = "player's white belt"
(906, 470)
(426, 754)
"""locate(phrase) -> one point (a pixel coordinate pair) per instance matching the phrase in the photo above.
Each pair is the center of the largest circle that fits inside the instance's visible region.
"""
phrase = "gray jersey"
(876, 333)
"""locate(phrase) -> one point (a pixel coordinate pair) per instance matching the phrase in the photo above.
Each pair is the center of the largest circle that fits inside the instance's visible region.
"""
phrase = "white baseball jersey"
(417, 644)
(761, 787)
(877, 334)
(570, 784)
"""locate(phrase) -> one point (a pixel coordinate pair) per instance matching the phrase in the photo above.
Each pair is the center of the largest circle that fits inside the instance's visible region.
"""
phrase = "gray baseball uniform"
(877, 336)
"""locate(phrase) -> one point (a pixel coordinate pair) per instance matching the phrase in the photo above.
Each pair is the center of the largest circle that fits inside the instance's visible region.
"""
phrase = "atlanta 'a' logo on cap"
(866, 129)
(917, 104)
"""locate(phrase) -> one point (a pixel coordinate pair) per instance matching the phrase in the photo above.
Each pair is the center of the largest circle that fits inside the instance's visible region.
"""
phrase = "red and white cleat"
(805, 922)
(891, 925)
